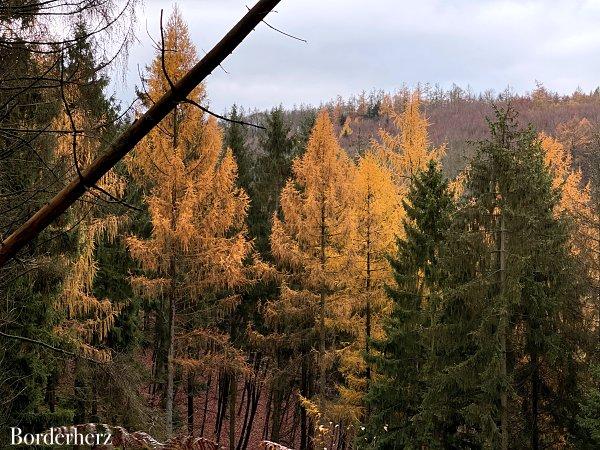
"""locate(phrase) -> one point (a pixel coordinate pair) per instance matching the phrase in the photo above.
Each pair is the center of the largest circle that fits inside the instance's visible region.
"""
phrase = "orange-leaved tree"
(408, 150)
(198, 255)
(575, 196)
(378, 217)
(312, 242)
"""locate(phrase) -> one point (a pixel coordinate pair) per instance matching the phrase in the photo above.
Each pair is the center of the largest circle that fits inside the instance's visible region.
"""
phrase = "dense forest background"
(416, 269)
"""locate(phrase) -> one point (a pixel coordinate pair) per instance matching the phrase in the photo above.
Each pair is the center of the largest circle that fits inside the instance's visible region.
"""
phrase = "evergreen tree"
(395, 394)
(588, 418)
(522, 301)
(235, 138)
(273, 168)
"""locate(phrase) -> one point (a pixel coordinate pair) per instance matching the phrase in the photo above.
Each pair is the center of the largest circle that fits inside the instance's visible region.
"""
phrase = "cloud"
(355, 45)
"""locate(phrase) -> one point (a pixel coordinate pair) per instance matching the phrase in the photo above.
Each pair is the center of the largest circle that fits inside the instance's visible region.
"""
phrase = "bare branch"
(218, 116)
(48, 346)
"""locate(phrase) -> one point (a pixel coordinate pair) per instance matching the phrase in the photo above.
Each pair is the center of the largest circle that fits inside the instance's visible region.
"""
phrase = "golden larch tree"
(575, 196)
(408, 150)
(312, 241)
(87, 319)
(378, 218)
(575, 202)
(197, 255)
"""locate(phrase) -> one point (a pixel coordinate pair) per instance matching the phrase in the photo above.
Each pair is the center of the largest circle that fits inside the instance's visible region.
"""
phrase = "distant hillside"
(458, 117)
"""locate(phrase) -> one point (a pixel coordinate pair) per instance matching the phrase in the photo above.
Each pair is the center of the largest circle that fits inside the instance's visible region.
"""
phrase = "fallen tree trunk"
(135, 133)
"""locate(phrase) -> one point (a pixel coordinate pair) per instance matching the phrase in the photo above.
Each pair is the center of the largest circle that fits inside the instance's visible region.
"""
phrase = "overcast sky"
(357, 44)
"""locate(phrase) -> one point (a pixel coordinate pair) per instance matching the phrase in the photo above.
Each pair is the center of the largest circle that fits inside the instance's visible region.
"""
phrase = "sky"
(356, 45)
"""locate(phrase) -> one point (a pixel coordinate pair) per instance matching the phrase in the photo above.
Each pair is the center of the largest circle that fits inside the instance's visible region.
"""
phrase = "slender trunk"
(222, 408)
(172, 275)
(232, 401)
(368, 312)
(276, 411)
(535, 393)
(503, 338)
(205, 405)
(256, 392)
(268, 416)
(170, 367)
(158, 352)
(305, 394)
(247, 398)
(322, 311)
(190, 402)
(243, 399)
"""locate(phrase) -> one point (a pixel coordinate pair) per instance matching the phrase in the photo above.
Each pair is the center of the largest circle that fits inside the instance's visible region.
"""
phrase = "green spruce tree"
(396, 393)
(511, 362)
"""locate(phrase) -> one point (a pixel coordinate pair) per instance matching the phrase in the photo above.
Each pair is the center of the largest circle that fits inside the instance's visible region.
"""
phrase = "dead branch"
(48, 346)
(136, 132)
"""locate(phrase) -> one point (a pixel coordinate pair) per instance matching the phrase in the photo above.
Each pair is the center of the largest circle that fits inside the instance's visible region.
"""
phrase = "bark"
(368, 312)
(305, 393)
(170, 368)
(322, 311)
(205, 405)
(255, 395)
(267, 416)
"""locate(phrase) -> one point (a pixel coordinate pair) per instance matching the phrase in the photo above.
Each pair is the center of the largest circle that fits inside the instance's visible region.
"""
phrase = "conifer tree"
(311, 241)
(409, 149)
(377, 211)
(196, 255)
(235, 139)
(396, 393)
(274, 167)
(524, 294)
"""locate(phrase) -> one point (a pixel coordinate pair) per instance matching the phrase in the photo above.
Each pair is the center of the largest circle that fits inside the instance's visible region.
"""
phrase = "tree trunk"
(503, 338)
(305, 394)
(276, 414)
(232, 402)
(190, 402)
(205, 405)
(368, 312)
(170, 368)
(322, 312)
(535, 394)
(256, 391)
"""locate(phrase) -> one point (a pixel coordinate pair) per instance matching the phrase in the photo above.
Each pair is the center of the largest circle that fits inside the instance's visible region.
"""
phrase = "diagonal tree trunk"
(134, 133)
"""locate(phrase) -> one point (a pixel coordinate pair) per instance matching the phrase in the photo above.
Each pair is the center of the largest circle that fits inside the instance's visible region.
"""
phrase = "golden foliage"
(378, 217)
(313, 241)
(316, 212)
(198, 254)
(87, 318)
(575, 197)
(409, 150)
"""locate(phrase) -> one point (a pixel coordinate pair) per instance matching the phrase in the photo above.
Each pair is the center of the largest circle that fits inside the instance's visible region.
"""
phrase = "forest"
(417, 269)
